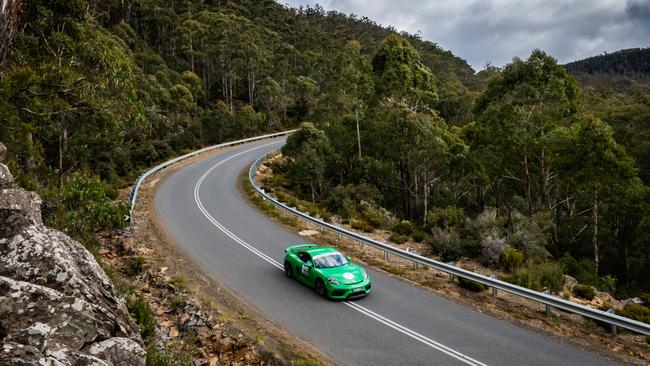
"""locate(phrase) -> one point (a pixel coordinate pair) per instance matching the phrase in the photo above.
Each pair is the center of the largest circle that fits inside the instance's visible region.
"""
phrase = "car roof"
(314, 251)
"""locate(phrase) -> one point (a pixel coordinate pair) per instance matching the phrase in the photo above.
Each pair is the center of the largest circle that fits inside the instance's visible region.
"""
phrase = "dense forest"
(93, 92)
(633, 61)
(522, 167)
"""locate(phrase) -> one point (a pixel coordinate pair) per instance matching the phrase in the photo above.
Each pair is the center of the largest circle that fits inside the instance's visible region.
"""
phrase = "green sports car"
(326, 270)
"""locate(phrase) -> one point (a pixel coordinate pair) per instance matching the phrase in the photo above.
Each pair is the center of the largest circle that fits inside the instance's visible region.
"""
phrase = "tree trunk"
(30, 162)
(63, 147)
(404, 188)
(356, 117)
(426, 197)
(251, 87)
(528, 189)
(543, 194)
(595, 236)
(284, 98)
(8, 25)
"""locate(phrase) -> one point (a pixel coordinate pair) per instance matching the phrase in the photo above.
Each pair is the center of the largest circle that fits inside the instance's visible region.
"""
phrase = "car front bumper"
(354, 291)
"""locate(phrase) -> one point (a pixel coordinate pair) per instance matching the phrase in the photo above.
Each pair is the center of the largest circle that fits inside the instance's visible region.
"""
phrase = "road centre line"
(400, 328)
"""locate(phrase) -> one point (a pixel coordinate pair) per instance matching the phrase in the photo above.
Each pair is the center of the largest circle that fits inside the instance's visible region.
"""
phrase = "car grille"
(338, 292)
(368, 286)
(357, 294)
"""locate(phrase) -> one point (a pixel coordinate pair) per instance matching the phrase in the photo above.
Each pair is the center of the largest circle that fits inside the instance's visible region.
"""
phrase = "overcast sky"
(495, 31)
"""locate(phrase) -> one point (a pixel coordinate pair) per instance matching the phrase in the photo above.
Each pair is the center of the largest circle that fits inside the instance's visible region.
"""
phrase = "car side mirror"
(348, 258)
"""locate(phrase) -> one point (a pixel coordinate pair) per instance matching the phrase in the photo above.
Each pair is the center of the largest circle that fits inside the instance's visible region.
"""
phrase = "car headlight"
(365, 275)
(332, 280)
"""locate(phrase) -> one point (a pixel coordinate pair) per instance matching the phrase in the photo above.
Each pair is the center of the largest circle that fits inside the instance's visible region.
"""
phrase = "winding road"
(202, 209)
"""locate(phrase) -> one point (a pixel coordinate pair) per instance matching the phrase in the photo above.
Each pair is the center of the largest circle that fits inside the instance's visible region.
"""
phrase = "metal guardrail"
(549, 300)
(133, 196)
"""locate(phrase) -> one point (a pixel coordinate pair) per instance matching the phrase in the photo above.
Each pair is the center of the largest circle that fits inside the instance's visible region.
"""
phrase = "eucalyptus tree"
(596, 168)
(404, 95)
(352, 83)
(520, 106)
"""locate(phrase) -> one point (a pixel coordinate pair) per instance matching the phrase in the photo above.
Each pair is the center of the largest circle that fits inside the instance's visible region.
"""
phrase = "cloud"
(495, 31)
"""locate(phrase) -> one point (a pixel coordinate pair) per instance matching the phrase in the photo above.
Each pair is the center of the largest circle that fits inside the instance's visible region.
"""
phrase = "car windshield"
(330, 260)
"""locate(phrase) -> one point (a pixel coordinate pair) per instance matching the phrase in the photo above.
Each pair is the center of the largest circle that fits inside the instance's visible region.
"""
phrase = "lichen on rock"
(57, 306)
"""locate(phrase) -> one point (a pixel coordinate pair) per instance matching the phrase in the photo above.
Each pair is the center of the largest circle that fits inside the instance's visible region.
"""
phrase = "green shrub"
(418, 236)
(135, 265)
(372, 220)
(311, 208)
(645, 297)
(471, 285)
(584, 271)
(110, 191)
(607, 283)
(584, 292)
(178, 302)
(403, 228)
(362, 225)
(178, 281)
(84, 207)
(539, 276)
(445, 217)
(357, 224)
(345, 200)
(398, 238)
(636, 312)
(143, 316)
(446, 244)
(158, 356)
(376, 216)
(511, 258)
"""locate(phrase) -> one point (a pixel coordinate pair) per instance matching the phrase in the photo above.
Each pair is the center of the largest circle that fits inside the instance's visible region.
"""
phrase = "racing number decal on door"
(305, 270)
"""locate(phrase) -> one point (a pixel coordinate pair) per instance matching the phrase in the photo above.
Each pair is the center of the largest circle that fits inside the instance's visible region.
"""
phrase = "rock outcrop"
(57, 306)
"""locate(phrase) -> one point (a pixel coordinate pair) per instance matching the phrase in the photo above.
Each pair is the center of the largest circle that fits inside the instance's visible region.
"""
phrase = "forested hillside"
(617, 90)
(523, 168)
(93, 92)
(633, 61)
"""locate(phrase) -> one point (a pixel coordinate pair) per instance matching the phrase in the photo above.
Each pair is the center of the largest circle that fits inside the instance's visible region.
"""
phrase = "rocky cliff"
(57, 307)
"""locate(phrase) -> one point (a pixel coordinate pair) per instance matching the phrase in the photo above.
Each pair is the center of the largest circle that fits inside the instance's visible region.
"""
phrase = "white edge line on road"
(400, 328)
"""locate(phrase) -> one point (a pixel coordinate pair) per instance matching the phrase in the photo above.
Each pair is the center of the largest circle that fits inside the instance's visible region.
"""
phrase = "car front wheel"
(320, 288)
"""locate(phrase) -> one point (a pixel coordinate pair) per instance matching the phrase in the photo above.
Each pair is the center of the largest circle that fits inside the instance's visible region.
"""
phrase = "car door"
(303, 270)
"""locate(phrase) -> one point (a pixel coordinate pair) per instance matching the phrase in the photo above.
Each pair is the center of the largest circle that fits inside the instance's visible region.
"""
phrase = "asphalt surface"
(397, 324)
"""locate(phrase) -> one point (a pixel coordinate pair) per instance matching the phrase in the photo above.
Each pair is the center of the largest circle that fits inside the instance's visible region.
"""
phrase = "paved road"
(398, 324)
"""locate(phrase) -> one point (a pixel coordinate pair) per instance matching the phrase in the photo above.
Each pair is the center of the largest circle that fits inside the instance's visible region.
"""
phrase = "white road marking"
(417, 336)
(363, 310)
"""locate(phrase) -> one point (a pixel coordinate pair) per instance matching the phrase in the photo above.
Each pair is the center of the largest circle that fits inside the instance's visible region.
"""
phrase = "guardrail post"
(548, 307)
(415, 263)
(613, 328)
(451, 275)
(494, 289)
(385, 255)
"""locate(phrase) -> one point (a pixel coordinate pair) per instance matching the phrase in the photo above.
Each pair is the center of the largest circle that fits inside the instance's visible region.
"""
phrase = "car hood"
(346, 275)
